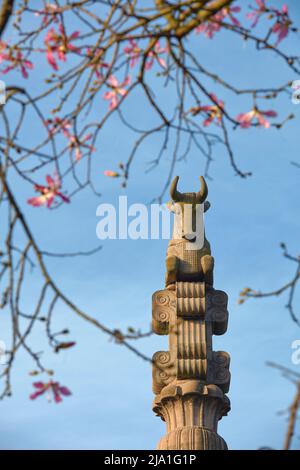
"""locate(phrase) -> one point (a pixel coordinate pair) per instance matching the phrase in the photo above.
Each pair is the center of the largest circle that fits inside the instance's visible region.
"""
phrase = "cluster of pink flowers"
(58, 44)
(245, 119)
(75, 143)
(117, 90)
(15, 58)
(209, 28)
(134, 52)
(48, 193)
(52, 389)
(282, 24)
(213, 112)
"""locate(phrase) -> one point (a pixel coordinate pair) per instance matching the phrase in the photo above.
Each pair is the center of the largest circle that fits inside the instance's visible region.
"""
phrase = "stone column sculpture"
(190, 380)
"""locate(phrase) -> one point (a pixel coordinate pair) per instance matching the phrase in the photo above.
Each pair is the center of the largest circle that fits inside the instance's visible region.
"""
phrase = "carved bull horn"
(186, 197)
(202, 194)
(175, 195)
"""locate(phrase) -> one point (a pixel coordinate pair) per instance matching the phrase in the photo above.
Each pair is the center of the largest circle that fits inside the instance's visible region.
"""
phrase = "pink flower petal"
(57, 397)
(63, 197)
(50, 180)
(269, 113)
(111, 174)
(38, 384)
(36, 201)
(109, 95)
(50, 201)
(263, 122)
(113, 81)
(51, 60)
(65, 391)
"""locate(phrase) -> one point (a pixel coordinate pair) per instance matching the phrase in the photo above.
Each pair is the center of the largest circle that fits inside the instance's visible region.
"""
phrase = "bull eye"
(178, 208)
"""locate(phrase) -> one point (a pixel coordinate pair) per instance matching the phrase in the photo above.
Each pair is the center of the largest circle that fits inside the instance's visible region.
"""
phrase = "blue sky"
(111, 403)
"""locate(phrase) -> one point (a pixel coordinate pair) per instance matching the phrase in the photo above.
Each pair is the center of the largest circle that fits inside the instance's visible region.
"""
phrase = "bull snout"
(190, 237)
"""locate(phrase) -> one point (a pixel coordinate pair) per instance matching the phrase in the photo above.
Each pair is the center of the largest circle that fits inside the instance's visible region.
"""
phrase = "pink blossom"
(76, 143)
(57, 124)
(228, 12)
(155, 55)
(282, 25)
(58, 43)
(48, 193)
(111, 174)
(133, 51)
(245, 119)
(283, 22)
(212, 112)
(49, 13)
(210, 27)
(117, 89)
(257, 12)
(16, 59)
(53, 389)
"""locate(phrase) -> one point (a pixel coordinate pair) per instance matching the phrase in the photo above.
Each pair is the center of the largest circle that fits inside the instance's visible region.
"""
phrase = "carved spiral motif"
(163, 375)
(161, 315)
(220, 315)
(163, 372)
(221, 372)
(218, 298)
(221, 359)
(161, 357)
(161, 310)
(162, 299)
(222, 375)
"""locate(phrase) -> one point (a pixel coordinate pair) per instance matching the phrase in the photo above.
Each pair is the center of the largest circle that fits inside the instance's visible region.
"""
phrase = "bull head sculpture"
(191, 198)
(185, 261)
(188, 209)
